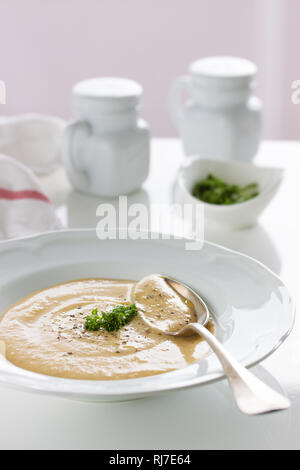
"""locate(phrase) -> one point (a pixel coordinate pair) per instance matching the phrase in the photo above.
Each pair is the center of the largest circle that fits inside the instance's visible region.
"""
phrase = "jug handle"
(180, 84)
(76, 171)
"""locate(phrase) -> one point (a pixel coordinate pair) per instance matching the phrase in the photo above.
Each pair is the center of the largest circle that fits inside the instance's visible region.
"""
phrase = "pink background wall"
(48, 45)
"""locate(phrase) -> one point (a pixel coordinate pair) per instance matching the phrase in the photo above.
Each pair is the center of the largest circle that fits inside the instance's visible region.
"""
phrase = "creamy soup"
(45, 332)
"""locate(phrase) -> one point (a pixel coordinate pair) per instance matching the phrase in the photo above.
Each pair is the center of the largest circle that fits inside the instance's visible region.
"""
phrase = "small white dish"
(253, 309)
(233, 216)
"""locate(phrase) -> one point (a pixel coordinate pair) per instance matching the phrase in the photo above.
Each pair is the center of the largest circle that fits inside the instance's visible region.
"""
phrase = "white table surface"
(199, 418)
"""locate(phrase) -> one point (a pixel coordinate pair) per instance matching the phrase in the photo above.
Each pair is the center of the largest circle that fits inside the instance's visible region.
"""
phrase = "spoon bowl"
(201, 309)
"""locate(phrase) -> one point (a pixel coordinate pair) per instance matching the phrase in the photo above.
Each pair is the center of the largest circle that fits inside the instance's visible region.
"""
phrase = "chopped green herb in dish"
(112, 320)
(215, 191)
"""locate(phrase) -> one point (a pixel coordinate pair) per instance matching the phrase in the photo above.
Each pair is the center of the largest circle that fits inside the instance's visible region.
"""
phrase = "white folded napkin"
(24, 208)
(33, 139)
(30, 142)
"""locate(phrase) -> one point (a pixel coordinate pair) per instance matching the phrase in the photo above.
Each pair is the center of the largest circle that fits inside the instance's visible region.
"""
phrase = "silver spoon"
(251, 395)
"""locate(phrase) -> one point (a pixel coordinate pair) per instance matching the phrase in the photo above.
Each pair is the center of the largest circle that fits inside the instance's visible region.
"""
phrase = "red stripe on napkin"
(25, 194)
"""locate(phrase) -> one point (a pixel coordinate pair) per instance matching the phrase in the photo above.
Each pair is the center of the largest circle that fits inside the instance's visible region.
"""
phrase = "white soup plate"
(252, 308)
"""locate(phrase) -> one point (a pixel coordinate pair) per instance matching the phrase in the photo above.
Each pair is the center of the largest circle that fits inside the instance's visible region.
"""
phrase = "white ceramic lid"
(223, 67)
(108, 88)
(106, 94)
(222, 70)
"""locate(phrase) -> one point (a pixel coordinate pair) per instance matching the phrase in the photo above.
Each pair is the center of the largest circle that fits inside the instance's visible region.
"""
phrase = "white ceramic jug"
(221, 119)
(107, 149)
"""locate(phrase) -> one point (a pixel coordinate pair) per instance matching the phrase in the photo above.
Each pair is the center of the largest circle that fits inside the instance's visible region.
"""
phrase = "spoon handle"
(252, 396)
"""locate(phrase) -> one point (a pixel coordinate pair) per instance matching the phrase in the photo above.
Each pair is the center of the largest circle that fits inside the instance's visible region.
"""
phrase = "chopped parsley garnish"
(112, 320)
(215, 191)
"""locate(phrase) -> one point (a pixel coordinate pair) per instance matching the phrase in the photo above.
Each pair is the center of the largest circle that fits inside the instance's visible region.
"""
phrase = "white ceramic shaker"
(221, 119)
(107, 148)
